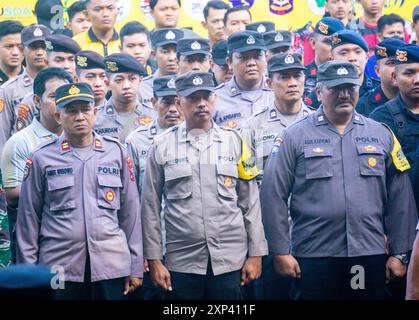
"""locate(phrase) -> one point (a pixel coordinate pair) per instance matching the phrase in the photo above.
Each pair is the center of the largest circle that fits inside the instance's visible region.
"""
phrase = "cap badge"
(38, 32)
(261, 28)
(401, 55)
(197, 81)
(342, 71)
(171, 83)
(279, 37)
(382, 51)
(251, 40)
(170, 35)
(289, 59)
(73, 90)
(82, 61)
(48, 45)
(195, 45)
(323, 28)
(111, 66)
(335, 39)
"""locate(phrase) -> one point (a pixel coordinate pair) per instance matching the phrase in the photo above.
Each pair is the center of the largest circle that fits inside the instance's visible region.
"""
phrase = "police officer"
(277, 42)
(247, 92)
(61, 51)
(13, 91)
(164, 42)
(193, 54)
(90, 68)
(385, 53)
(345, 173)
(205, 174)
(261, 26)
(79, 206)
(401, 114)
(219, 67)
(122, 114)
(320, 42)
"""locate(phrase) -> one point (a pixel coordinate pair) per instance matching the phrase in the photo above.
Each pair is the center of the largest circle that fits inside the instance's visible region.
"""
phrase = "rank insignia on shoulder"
(65, 146)
(98, 144)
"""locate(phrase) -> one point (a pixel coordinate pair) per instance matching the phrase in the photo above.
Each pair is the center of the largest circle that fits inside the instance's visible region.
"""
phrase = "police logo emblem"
(110, 196)
(1, 105)
(48, 45)
(82, 61)
(381, 51)
(261, 28)
(195, 45)
(318, 150)
(278, 141)
(289, 59)
(73, 90)
(145, 120)
(109, 110)
(335, 39)
(323, 28)
(37, 32)
(112, 67)
(228, 182)
(342, 71)
(250, 40)
(197, 81)
(401, 55)
(372, 162)
(231, 124)
(370, 148)
(27, 168)
(170, 35)
(279, 37)
(171, 83)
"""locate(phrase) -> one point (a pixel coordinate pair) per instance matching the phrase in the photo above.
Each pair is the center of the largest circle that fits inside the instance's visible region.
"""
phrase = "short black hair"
(46, 74)
(10, 27)
(131, 28)
(387, 20)
(215, 4)
(235, 9)
(153, 4)
(76, 7)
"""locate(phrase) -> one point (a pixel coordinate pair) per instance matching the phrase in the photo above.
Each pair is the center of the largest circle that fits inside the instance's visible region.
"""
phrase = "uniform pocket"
(318, 162)
(227, 175)
(178, 181)
(371, 160)
(61, 192)
(108, 191)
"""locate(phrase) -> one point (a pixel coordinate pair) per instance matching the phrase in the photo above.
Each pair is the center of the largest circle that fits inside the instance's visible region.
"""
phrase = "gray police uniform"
(26, 112)
(71, 207)
(211, 211)
(110, 123)
(234, 105)
(11, 94)
(145, 91)
(344, 187)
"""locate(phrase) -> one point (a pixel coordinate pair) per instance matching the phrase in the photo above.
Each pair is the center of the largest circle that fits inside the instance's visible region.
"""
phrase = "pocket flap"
(318, 151)
(60, 182)
(177, 171)
(369, 149)
(227, 170)
(105, 180)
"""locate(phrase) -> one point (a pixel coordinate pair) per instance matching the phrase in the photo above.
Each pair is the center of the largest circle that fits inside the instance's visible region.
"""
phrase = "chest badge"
(372, 162)
(110, 196)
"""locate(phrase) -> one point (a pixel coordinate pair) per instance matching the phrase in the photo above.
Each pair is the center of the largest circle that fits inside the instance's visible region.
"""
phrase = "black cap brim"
(278, 45)
(191, 53)
(65, 102)
(219, 61)
(33, 40)
(166, 42)
(340, 81)
(165, 93)
(188, 92)
(287, 68)
(245, 49)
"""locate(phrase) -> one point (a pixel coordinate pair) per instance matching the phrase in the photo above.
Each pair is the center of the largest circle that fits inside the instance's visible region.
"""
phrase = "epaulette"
(220, 86)
(147, 78)
(45, 143)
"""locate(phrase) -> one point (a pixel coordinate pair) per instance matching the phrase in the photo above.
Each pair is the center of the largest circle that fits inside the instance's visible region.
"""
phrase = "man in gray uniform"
(13, 91)
(247, 92)
(205, 174)
(164, 42)
(79, 209)
(350, 191)
(193, 54)
(122, 114)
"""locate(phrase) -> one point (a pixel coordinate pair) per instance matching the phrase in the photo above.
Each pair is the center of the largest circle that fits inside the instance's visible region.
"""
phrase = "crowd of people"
(159, 164)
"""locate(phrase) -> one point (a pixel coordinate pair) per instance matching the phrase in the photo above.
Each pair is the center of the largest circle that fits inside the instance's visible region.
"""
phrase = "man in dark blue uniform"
(385, 53)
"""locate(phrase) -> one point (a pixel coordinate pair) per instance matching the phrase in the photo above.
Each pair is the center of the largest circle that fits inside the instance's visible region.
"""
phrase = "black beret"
(409, 53)
(387, 48)
(328, 26)
(122, 62)
(61, 43)
(347, 36)
(193, 81)
(86, 59)
(72, 92)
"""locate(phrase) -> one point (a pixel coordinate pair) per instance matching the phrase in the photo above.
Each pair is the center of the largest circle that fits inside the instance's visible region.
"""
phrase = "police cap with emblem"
(220, 52)
(164, 36)
(191, 46)
(86, 59)
(336, 72)
(347, 36)
(285, 61)
(245, 41)
(409, 53)
(71, 92)
(164, 86)
(193, 81)
(261, 27)
(31, 34)
(276, 39)
(122, 62)
(61, 43)
(387, 48)
(328, 26)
